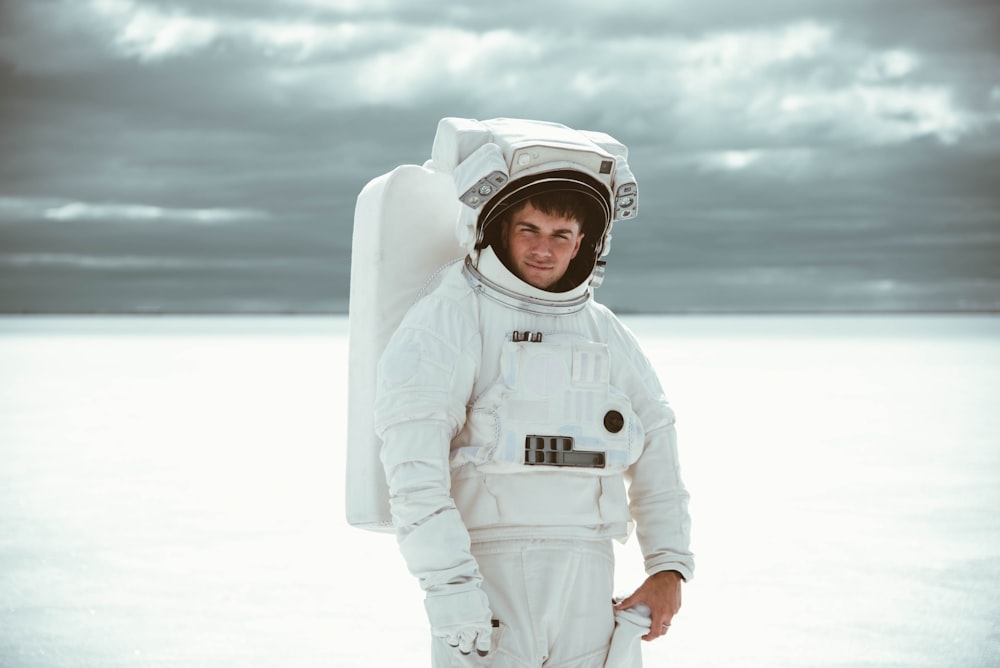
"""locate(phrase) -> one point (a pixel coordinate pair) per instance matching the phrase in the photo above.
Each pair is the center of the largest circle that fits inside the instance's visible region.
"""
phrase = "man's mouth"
(538, 267)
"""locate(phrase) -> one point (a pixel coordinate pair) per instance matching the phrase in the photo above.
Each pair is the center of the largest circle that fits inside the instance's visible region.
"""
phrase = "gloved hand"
(463, 619)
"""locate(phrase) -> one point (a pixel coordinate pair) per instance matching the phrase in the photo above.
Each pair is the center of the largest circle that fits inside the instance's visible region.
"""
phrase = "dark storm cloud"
(910, 228)
(791, 154)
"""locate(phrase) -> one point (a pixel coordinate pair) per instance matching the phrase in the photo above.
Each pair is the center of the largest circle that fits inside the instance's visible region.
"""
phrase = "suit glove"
(463, 619)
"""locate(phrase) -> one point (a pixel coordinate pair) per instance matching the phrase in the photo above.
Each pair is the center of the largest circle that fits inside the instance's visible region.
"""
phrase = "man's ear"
(579, 240)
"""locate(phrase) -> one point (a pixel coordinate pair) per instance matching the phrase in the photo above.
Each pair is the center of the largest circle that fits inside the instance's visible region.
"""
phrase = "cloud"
(807, 84)
(727, 160)
(16, 208)
(149, 33)
(137, 262)
(763, 135)
(792, 80)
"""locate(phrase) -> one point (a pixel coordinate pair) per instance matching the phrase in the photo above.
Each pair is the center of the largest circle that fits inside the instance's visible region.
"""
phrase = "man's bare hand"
(661, 592)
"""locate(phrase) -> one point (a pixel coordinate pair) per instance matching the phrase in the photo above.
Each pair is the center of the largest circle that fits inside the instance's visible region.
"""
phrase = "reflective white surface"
(171, 495)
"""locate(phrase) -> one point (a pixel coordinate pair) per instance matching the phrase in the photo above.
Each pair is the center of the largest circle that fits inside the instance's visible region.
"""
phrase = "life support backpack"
(404, 232)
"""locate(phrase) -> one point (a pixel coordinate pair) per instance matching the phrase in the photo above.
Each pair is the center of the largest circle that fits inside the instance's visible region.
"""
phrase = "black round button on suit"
(614, 421)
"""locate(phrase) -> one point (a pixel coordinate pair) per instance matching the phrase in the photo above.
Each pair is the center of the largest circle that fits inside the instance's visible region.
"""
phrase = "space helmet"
(499, 164)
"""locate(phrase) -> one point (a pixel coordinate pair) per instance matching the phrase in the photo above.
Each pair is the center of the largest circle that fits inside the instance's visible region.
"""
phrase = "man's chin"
(542, 283)
(540, 279)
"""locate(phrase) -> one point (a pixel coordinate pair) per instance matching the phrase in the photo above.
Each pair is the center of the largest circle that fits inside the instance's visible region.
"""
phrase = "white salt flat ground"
(171, 495)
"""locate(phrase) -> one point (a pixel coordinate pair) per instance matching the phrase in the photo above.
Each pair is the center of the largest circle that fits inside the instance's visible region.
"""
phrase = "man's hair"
(558, 203)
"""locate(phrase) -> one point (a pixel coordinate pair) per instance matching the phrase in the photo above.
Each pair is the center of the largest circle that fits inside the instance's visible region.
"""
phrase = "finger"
(465, 641)
(627, 602)
(658, 630)
(483, 643)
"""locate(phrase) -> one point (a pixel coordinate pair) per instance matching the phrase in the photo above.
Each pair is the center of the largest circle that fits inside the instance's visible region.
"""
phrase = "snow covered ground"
(171, 495)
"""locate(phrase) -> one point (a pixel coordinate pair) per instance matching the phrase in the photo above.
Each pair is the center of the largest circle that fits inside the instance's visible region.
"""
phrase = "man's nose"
(543, 247)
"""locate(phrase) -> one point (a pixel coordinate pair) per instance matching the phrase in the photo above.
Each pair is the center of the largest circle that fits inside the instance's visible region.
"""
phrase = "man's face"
(540, 246)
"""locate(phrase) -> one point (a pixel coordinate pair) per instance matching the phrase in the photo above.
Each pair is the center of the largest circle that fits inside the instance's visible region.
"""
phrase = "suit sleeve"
(425, 377)
(658, 499)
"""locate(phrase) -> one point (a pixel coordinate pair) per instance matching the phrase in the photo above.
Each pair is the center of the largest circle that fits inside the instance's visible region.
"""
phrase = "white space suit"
(522, 429)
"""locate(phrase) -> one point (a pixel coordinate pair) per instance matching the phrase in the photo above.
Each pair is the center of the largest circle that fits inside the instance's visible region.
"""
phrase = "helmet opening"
(565, 194)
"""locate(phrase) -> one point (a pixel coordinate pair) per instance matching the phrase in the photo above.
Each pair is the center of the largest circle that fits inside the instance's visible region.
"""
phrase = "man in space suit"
(522, 427)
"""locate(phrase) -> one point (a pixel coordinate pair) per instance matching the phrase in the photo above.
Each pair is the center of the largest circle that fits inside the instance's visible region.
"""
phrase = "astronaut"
(522, 429)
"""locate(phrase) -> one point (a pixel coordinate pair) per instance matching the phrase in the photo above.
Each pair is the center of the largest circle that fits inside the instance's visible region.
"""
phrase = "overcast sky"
(205, 155)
